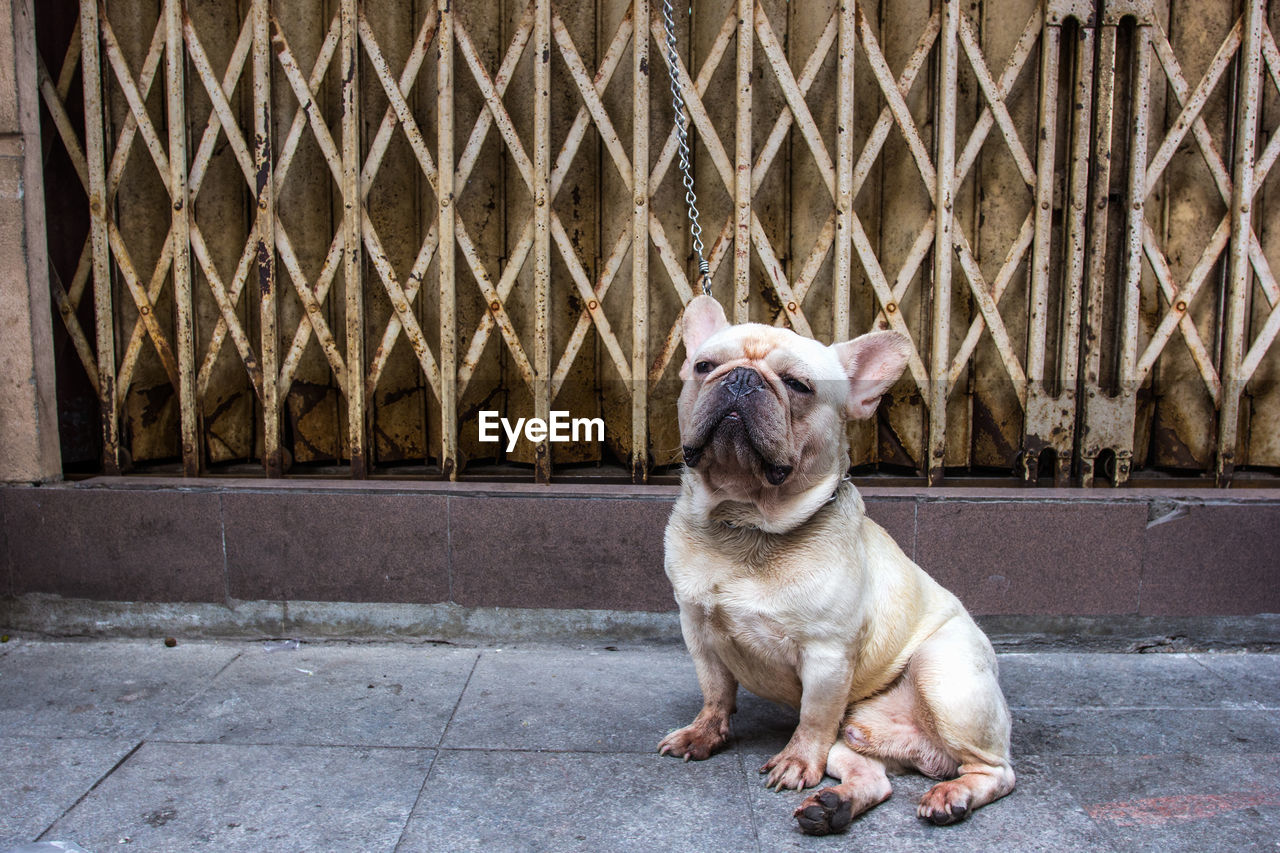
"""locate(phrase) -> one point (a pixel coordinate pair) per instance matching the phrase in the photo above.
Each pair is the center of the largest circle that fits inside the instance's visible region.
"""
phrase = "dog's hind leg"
(863, 784)
(954, 673)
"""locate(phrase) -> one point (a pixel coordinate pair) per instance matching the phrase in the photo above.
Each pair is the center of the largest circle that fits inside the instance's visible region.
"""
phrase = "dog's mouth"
(732, 429)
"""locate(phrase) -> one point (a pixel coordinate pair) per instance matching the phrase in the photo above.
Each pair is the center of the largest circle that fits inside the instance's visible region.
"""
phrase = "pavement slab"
(1249, 678)
(230, 797)
(576, 801)
(102, 689)
(583, 700)
(43, 777)
(396, 695)
(1085, 731)
(1112, 681)
(1192, 803)
(226, 746)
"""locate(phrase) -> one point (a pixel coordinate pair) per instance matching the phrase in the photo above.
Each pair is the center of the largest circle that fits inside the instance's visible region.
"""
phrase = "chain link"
(682, 139)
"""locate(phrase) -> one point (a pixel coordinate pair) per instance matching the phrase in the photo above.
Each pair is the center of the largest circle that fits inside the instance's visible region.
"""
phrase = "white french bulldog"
(787, 588)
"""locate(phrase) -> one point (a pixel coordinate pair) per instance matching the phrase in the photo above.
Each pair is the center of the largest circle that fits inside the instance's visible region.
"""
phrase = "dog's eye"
(703, 367)
(797, 386)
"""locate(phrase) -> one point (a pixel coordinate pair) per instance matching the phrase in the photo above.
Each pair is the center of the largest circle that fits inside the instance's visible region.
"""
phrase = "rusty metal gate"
(299, 234)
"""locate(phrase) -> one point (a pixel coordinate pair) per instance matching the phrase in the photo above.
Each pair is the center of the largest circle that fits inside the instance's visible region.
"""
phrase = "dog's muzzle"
(733, 390)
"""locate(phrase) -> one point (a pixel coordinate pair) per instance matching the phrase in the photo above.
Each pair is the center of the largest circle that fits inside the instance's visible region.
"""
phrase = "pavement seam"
(444, 733)
(186, 703)
(435, 755)
(431, 766)
(751, 808)
(290, 744)
(1261, 706)
(92, 788)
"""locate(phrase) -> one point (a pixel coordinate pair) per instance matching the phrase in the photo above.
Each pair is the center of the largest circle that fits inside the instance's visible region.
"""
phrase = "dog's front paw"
(697, 740)
(824, 812)
(794, 768)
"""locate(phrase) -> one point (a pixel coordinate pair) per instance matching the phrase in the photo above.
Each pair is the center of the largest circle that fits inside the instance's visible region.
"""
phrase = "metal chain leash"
(682, 138)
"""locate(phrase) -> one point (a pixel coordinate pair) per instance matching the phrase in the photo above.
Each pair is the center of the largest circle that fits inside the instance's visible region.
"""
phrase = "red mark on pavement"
(1157, 811)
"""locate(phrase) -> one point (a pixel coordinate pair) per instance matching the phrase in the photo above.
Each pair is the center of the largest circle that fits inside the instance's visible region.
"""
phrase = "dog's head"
(763, 409)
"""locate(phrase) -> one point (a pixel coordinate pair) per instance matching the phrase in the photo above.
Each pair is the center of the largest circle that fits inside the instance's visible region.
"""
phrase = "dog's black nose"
(741, 381)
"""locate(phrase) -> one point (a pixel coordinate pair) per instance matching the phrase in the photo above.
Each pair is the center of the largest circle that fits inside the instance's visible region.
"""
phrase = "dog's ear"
(873, 362)
(703, 317)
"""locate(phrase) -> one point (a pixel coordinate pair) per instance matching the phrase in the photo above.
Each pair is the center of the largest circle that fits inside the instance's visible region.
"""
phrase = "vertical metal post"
(352, 267)
(1099, 195)
(445, 247)
(542, 231)
(944, 203)
(1240, 282)
(742, 171)
(1049, 421)
(1135, 197)
(1078, 199)
(184, 332)
(1135, 219)
(264, 227)
(1046, 149)
(640, 244)
(1076, 211)
(846, 39)
(1110, 402)
(95, 153)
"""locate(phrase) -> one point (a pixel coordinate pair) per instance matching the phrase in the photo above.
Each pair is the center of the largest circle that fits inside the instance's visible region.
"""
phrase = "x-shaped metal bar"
(995, 112)
(1179, 298)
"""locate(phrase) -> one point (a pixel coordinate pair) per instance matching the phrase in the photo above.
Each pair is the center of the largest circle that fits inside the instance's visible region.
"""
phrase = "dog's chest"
(752, 629)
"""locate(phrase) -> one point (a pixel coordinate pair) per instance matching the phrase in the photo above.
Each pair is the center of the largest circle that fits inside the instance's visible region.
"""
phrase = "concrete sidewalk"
(227, 746)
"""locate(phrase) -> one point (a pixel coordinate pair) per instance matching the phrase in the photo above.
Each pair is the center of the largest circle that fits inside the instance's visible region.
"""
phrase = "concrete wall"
(1005, 552)
(28, 406)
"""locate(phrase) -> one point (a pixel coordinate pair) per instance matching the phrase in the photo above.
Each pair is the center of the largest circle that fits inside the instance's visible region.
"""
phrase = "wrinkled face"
(762, 403)
(764, 408)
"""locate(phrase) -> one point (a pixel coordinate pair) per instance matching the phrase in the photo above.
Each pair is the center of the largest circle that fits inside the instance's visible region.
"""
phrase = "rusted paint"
(943, 202)
(741, 183)
(540, 186)
(842, 281)
(354, 225)
(445, 224)
(95, 154)
(264, 237)
(1238, 262)
(640, 455)
(184, 331)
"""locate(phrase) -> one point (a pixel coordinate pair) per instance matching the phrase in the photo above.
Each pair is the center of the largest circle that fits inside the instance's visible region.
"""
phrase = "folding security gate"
(1066, 206)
